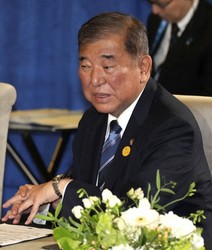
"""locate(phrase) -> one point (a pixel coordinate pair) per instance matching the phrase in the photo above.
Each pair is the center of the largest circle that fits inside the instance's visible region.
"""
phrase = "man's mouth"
(101, 97)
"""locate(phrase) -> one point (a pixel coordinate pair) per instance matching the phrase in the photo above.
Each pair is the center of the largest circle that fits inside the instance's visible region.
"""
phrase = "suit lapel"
(91, 152)
(99, 138)
(126, 146)
(195, 25)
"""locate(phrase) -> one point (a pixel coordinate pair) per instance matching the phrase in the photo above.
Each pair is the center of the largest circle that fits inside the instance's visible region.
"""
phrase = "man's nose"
(97, 77)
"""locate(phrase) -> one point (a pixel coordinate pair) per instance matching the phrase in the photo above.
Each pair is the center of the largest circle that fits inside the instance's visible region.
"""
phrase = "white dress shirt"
(123, 119)
(164, 45)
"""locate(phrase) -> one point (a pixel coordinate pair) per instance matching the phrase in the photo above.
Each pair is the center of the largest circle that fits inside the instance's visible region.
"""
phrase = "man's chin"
(104, 109)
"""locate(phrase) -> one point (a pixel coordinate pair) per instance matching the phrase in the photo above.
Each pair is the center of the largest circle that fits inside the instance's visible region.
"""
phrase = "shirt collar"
(124, 117)
(183, 23)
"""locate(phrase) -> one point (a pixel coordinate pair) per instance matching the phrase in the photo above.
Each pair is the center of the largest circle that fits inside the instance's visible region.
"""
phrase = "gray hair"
(133, 31)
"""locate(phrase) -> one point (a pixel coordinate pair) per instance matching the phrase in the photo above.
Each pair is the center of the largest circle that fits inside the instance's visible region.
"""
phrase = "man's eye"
(108, 67)
(85, 67)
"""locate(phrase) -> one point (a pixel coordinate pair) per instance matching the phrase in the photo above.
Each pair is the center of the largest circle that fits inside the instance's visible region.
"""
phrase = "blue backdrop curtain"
(38, 53)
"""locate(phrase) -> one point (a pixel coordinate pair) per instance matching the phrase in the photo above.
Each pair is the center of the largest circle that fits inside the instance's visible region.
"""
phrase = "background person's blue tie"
(108, 152)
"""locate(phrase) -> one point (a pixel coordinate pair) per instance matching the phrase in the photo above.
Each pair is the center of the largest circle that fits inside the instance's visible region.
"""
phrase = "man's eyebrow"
(81, 58)
(108, 56)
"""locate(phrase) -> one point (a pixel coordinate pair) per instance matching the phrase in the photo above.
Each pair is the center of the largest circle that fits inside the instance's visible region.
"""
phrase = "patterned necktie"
(108, 152)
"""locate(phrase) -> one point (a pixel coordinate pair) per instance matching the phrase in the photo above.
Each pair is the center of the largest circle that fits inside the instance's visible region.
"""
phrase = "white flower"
(179, 226)
(94, 199)
(106, 194)
(144, 204)
(197, 241)
(113, 201)
(139, 193)
(91, 201)
(140, 217)
(87, 203)
(131, 232)
(136, 194)
(110, 199)
(77, 211)
(120, 223)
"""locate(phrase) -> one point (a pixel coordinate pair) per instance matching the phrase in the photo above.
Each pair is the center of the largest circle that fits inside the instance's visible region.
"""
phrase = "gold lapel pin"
(126, 151)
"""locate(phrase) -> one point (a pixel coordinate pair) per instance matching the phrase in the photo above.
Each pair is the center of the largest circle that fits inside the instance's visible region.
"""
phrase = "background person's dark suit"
(164, 135)
(188, 67)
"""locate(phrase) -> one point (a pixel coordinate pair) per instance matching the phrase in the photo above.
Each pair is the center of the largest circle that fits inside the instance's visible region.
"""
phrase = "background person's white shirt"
(164, 45)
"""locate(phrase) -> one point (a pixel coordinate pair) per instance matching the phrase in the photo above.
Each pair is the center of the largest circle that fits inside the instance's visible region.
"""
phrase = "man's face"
(111, 78)
(171, 10)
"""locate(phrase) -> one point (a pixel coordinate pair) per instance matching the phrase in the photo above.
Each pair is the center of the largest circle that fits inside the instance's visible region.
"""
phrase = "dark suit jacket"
(164, 135)
(188, 67)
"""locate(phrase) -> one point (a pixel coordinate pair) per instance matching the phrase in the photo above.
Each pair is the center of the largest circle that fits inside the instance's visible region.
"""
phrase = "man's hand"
(16, 202)
(28, 199)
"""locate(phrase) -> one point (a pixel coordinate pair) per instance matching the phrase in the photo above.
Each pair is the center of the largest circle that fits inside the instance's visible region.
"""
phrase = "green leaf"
(148, 191)
(167, 190)
(73, 222)
(158, 183)
(60, 232)
(44, 217)
(58, 209)
(66, 243)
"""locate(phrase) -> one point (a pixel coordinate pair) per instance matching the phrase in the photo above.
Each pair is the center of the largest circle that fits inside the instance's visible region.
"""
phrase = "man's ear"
(145, 64)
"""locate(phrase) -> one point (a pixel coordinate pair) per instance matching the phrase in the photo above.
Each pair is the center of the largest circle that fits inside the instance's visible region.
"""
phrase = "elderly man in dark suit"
(181, 45)
(154, 130)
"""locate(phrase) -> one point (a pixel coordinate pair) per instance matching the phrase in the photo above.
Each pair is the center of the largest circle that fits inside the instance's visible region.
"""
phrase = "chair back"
(201, 107)
(7, 99)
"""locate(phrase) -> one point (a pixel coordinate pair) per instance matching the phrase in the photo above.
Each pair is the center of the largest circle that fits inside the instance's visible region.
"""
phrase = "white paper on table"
(11, 234)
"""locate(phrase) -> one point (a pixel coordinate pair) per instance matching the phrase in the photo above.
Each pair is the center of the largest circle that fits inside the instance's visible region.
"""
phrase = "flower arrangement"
(139, 227)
